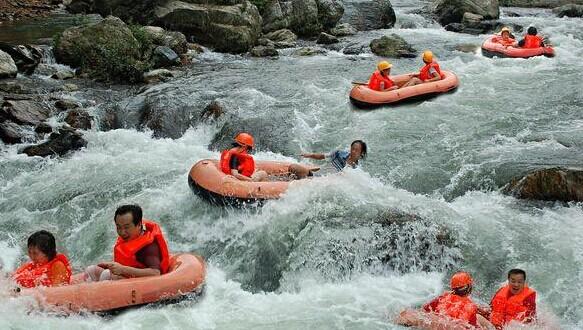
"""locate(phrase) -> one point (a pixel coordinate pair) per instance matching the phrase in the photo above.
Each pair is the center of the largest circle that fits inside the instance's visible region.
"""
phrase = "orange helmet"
(460, 279)
(245, 139)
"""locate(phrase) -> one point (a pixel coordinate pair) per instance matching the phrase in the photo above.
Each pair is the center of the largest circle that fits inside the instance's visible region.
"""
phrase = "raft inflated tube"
(363, 96)
(208, 181)
(431, 321)
(492, 49)
(186, 277)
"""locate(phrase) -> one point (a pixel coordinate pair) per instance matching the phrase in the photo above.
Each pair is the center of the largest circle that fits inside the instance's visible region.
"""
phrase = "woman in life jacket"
(380, 80)
(532, 39)
(47, 267)
(455, 305)
(238, 162)
(140, 250)
(505, 38)
(514, 302)
(430, 72)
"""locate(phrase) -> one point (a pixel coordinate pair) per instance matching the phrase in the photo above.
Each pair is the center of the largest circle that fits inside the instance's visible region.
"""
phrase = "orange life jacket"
(124, 252)
(31, 275)
(376, 79)
(246, 163)
(457, 307)
(424, 74)
(507, 307)
(531, 41)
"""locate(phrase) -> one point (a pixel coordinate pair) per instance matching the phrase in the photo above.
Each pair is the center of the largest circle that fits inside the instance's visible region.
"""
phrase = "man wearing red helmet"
(237, 161)
(456, 305)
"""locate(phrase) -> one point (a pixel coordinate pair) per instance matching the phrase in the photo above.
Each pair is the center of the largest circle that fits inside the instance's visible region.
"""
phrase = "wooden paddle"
(359, 83)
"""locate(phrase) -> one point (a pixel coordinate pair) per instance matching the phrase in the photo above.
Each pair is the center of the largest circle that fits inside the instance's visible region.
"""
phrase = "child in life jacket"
(532, 39)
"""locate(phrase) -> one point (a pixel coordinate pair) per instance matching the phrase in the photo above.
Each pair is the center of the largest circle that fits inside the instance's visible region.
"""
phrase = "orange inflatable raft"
(492, 49)
(186, 277)
(362, 96)
(209, 182)
(430, 321)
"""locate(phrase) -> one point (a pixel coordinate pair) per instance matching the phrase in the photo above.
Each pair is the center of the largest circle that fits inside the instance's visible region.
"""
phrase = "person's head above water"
(427, 56)
(128, 221)
(384, 67)
(244, 140)
(516, 280)
(461, 283)
(41, 247)
(358, 149)
(505, 32)
(532, 31)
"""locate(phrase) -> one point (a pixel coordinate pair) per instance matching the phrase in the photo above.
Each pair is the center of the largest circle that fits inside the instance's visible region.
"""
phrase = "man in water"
(430, 72)
(140, 249)
(340, 158)
(380, 79)
(505, 38)
(531, 39)
(515, 301)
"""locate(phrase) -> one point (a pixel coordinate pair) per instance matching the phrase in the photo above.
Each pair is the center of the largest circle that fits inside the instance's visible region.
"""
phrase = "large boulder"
(79, 119)
(554, 184)
(59, 143)
(227, 27)
(304, 17)
(264, 51)
(25, 111)
(569, 11)
(8, 68)
(369, 15)
(327, 39)
(392, 46)
(283, 38)
(538, 3)
(11, 132)
(164, 56)
(25, 57)
(329, 12)
(160, 37)
(343, 30)
(106, 50)
(452, 11)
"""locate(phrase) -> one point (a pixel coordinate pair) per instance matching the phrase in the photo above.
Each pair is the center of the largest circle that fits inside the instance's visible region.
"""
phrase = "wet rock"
(25, 112)
(304, 17)
(467, 48)
(355, 49)
(11, 132)
(569, 11)
(343, 30)
(164, 57)
(481, 27)
(172, 39)
(553, 184)
(79, 119)
(265, 42)
(392, 46)
(369, 15)
(329, 12)
(264, 51)
(283, 38)
(70, 87)
(25, 57)
(63, 74)
(452, 11)
(212, 111)
(158, 75)
(538, 3)
(470, 18)
(43, 128)
(59, 144)
(196, 48)
(8, 68)
(326, 39)
(67, 104)
(308, 51)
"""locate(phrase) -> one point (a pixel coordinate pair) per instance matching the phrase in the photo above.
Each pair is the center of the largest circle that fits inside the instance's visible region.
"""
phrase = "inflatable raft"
(493, 49)
(186, 277)
(363, 97)
(209, 182)
(430, 321)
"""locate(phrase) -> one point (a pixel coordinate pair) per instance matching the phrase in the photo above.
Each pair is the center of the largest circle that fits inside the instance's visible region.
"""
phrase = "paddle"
(359, 83)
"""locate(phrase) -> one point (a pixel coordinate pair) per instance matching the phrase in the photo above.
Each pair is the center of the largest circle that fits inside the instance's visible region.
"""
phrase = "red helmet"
(245, 139)
(460, 279)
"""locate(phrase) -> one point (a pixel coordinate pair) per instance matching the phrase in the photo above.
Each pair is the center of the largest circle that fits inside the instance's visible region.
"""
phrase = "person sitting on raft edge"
(455, 305)
(380, 79)
(338, 158)
(47, 267)
(515, 301)
(430, 72)
(140, 249)
(238, 162)
(531, 39)
(505, 38)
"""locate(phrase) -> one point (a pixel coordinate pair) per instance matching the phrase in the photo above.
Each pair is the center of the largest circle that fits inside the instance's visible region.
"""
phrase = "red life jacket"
(507, 307)
(124, 252)
(457, 307)
(376, 79)
(424, 74)
(31, 275)
(246, 163)
(531, 41)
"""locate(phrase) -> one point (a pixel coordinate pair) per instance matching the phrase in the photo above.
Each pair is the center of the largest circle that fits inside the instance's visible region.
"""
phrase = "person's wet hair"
(45, 242)
(532, 31)
(135, 210)
(463, 291)
(363, 147)
(517, 271)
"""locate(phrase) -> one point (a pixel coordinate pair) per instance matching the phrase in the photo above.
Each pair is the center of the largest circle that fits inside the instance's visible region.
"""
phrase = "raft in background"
(364, 97)
(185, 278)
(494, 49)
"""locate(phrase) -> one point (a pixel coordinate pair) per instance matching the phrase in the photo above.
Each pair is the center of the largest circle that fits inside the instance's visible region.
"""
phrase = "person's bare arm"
(240, 176)
(314, 156)
(126, 271)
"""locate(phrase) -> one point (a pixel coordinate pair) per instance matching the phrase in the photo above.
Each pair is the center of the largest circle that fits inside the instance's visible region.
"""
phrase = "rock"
(25, 57)
(452, 11)
(481, 27)
(79, 119)
(164, 57)
(264, 51)
(67, 104)
(329, 13)
(59, 72)
(265, 42)
(157, 76)
(11, 132)
(196, 48)
(58, 144)
(106, 50)
(343, 30)
(8, 68)
(234, 28)
(369, 15)
(354, 49)
(25, 112)
(538, 3)
(63, 74)
(283, 38)
(308, 51)
(160, 37)
(553, 184)
(470, 18)
(213, 111)
(569, 11)
(467, 48)
(304, 17)
(327, 39)
(392, 46)
(43, 128)
(70, 87)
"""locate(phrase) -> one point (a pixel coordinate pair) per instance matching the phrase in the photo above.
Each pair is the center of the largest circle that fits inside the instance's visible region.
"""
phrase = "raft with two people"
(504, 45)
